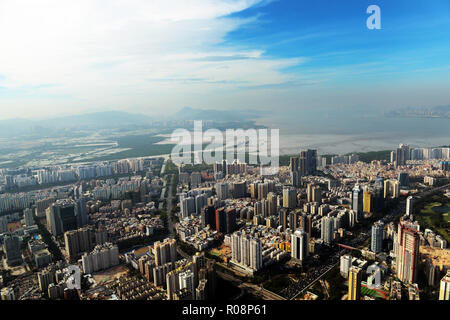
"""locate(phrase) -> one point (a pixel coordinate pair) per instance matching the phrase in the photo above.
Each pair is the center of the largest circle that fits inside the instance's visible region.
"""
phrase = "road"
(170, 225)
(250, 288)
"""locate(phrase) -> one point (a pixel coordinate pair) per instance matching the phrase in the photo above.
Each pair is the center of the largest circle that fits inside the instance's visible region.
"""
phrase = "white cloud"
(124, 54)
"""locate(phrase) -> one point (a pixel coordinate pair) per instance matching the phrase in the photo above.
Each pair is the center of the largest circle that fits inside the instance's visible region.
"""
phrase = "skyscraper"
(408, 251)
(187, 206)
(11, 247)
(444, 289)
(289, 197)
(165, 251)
(221, 220)
(357, 200)
(209, 217)
(200, 203)
(246, 251)
(409, 205)
(255, 254)
(345, 265)
(293, 164)
(186, 280)
(81, 211)
(403, 179)
(239, 189)
(296, 179)
(354, 283)
(327, 229)
(391, 189)
(367, 201)
(402, 154)
(28, 217)
(272, 200)
(377, 237)
(61, 217)
(222, 190)
(283, 219)
(299, 245)
(308, 162)
(230, 220)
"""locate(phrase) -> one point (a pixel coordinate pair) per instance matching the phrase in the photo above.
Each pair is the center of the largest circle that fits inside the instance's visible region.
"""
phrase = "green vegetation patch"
(434, 213)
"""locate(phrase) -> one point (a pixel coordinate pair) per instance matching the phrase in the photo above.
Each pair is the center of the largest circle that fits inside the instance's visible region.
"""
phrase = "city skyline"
(230, 152)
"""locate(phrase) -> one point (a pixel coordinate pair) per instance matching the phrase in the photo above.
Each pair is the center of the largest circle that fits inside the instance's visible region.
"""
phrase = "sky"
(154, 57)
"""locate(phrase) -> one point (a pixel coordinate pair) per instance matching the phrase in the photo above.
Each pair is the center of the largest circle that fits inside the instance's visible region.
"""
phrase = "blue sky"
(63, 57)
(332, 35)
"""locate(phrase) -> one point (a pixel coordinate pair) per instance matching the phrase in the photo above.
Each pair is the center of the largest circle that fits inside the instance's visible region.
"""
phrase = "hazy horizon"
(66, 58)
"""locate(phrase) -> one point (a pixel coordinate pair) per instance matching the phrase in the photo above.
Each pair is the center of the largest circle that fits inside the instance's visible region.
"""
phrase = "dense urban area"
(324, 227)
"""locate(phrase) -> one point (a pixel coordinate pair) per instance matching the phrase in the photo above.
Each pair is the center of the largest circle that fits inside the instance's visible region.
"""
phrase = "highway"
(251, 288)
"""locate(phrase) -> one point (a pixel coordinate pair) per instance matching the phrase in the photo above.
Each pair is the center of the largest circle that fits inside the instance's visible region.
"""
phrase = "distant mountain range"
(188, 113)
(422, 112)
(88, 121)
(112, 120)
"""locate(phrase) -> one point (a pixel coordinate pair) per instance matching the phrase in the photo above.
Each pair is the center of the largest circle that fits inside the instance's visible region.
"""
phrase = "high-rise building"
(221, 220)
(289, 197)
(28, 217)
(11, 247)
(293, 220)
(367, 201)
(313, 193)
(272, 201)
(255, 254)
(354, 283)
(391, 189)
(401, 155)
(200, 203)
(283, 219)
(357, 200)
(236, 253)
(186, 280)
(296, 179)
(61, 217)
(239, 189)
(327, 229)
(308, 162)
(81, 211)
(187, 206)
(246, 251)
(165, 251)
(78, 242)
(293, 164)
(222, 190)
(377, 237)
(345, 265)
(408, 251)
(403, 179)
(102, 257)
(299, 245)
(444, 289)
(230, 220)
(263, 190)
(209, 217)
(409, 205)
(7, 294)
(3, 224)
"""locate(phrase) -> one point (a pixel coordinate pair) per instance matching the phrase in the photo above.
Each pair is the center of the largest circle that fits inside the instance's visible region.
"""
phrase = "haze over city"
(227, 152)
(65, 57)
